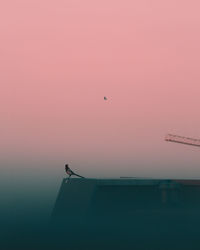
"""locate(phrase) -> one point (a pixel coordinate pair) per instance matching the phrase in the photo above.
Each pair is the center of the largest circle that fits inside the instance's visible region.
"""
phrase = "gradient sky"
(58, 59)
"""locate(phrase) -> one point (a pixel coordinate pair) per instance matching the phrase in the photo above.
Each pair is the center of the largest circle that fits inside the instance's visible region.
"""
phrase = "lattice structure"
(183, 140)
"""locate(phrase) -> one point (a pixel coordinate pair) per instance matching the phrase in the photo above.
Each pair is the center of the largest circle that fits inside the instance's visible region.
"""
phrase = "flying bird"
(70, 172)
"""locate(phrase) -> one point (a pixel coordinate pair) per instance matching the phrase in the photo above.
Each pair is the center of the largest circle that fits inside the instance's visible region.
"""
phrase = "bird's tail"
(78, 175)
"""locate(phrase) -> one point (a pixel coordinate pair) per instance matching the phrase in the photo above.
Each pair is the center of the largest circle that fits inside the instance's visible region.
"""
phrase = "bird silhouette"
(70, 172)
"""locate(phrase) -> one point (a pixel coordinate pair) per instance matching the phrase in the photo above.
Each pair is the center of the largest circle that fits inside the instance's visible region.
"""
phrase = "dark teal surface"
(112, 214)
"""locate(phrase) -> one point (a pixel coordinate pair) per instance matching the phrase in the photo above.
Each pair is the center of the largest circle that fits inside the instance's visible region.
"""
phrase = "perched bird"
(70, 172)
(105, 98)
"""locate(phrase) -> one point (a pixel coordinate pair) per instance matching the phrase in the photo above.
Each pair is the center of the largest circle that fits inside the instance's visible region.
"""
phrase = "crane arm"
(183, 140)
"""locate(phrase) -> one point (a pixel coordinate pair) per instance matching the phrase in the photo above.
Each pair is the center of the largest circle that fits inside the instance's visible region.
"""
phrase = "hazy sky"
(58, 59)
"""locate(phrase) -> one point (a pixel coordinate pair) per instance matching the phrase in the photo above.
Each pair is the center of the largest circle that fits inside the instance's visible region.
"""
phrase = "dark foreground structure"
(119, 214)
(128, 214)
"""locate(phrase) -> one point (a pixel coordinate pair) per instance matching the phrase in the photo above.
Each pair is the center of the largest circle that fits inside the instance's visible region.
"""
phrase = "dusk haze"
(59, 59)
(99, 124)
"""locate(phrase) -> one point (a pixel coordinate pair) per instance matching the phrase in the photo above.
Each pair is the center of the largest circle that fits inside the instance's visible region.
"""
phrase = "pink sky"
(59, 58)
